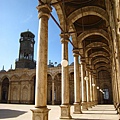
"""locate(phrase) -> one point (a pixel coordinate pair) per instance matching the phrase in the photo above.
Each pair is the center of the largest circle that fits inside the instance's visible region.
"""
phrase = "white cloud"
(28, 18)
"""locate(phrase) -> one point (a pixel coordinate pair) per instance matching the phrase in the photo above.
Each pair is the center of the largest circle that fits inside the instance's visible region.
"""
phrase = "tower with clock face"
(26, 51)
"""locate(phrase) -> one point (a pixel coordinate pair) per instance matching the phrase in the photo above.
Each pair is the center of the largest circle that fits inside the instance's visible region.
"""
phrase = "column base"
(89, 105)
(40, 113)
(96, 102)
(53, 103)
(84, 106)
(65, 112)
(77, 108)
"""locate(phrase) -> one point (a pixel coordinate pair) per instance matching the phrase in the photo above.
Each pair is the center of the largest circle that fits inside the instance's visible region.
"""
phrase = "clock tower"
(26, 51)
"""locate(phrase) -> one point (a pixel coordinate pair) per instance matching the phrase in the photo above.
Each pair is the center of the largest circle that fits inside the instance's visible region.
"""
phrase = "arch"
(24, 77)
(15, 78)
(88, 33)
(71, 70)
(50, 73)
(89, 10)
(96, 44)
(102, 68)
(4, 77)
(49, 77)
(15, 93)
(5, 90)
(97, 65)
(56, 73)
(99, 53)
(59, 13)
(100, 60)
(25, 94)
(73, 35)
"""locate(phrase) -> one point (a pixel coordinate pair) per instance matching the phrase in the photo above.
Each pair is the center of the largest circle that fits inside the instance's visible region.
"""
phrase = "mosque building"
(18, 85)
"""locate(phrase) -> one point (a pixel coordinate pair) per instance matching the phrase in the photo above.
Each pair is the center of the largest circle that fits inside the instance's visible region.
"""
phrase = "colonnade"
(84, 92)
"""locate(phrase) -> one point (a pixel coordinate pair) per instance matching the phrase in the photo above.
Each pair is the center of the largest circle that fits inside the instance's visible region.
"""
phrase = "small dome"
(50, 65)
(59, 65)
(10, 70)
(2, 71)
(72, 64)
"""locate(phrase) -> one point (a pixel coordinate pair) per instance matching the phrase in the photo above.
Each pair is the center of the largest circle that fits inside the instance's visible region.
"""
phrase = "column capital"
(82, 59)
(87, 67)
(44, 10)
(64, 38)
(75, 52)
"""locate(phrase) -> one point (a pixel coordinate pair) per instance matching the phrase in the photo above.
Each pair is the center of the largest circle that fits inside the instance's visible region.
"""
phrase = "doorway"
(5, 90)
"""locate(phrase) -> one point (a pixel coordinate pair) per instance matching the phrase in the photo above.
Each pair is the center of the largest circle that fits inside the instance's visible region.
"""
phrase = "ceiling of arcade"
(87, 21)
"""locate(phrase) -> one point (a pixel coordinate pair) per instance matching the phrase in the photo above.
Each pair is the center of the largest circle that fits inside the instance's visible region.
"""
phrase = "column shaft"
(52, 92)
(77, 96)
(65, 108)
(76, 80)
(83, 86)
(88, 89)
(9, 93)
(41, 111)
(42, 53)
(65, 78)
(91, 90)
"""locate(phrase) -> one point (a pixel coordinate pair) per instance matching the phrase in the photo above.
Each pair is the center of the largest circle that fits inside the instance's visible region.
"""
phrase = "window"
(106, 94)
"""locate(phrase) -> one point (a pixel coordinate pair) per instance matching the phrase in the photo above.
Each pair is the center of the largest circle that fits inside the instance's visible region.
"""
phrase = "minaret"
(26, 51)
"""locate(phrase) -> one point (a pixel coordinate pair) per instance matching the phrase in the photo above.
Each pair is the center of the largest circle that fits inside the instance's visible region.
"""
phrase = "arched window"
(5, 89)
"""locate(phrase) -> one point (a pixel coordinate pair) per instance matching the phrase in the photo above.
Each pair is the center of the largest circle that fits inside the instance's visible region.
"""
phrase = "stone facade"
(21, 85)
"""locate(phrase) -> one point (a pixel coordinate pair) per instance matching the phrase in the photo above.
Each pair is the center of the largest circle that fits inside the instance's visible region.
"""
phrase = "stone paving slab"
(23, 112)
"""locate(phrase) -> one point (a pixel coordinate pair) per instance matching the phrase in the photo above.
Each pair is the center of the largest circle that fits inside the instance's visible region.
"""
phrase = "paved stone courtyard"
(22, 112)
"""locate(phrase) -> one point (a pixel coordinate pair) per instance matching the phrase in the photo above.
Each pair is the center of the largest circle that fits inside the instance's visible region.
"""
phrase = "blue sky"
(18, 16)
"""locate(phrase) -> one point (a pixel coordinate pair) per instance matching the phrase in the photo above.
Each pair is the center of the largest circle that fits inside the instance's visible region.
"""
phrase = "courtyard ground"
(23, 112)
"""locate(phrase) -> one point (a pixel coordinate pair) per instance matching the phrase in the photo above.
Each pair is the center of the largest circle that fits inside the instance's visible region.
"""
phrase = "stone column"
(65, 107)
(53, 92)
(40, 112)
(77, 96)
(19, 89)
(88, 89)
(91, 90)
(83, 85)
(96, 100)
(30, 92)
(9, 93)
(115, 86)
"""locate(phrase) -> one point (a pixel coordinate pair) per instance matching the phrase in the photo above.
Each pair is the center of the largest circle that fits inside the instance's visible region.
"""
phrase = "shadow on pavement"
(88, 119)
(102, 113)
(100, 110)
(8, 113)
